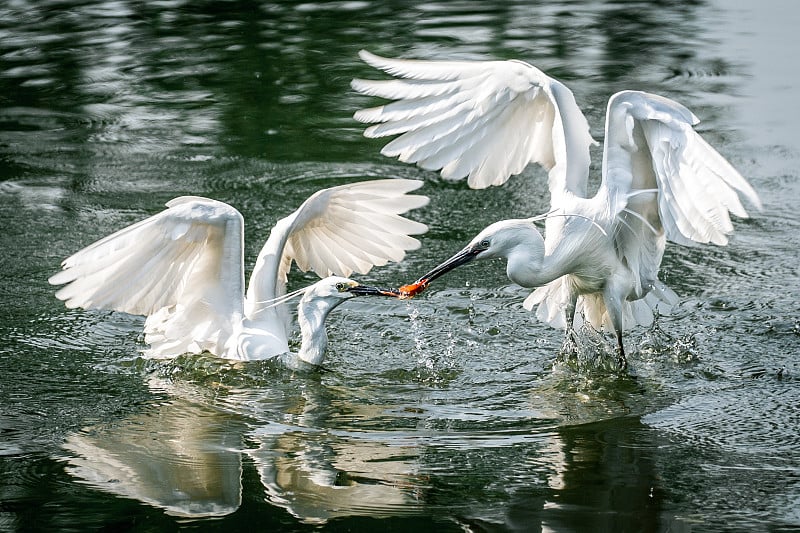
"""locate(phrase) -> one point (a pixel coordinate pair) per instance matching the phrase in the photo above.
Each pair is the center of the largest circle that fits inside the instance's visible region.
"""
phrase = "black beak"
(412, 289)
(366, 290)
(464, 256)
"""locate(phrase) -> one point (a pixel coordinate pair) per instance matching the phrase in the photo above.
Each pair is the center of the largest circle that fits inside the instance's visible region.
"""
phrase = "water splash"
(589, 350)
(656, 344)
(435, 364)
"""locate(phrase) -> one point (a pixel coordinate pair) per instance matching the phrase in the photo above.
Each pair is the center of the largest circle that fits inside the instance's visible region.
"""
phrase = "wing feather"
(355, 258)
(665, 182)
(483, 120)
(364, 216)
(338, 231)
(403, 109)
(184, 261)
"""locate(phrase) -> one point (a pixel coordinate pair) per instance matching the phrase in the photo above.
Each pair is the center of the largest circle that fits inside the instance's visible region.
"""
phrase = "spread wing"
(338, 231)
(665, 181)
(352, 228)
(182, 268)
(482, 119)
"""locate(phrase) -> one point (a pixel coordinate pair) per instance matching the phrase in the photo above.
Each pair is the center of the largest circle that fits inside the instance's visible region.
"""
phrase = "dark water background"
(449, 412)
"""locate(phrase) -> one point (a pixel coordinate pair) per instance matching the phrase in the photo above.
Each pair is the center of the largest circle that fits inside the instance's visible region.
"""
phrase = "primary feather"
(465, 117)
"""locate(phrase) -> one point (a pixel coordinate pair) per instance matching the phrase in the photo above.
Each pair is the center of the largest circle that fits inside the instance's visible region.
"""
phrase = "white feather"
(485, 120)
(183, 269)
(183, 265)
(660, 180)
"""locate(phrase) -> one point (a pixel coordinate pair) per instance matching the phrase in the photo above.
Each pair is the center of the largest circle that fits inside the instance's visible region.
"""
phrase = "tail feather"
(172, 331)
(550, 302)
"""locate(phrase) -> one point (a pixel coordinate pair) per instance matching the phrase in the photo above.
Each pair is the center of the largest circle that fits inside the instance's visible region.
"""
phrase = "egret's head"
(338, 289)
(500, 239)
(497, 240)
(319, 300)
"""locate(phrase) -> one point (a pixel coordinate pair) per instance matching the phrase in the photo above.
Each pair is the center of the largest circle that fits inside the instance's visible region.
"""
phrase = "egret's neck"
(264, 283)
(527, 263)
(311, 314)
(530, 267)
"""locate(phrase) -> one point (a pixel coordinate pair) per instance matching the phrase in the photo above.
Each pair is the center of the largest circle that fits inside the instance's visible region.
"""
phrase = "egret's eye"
(484, 244)
(341, 287)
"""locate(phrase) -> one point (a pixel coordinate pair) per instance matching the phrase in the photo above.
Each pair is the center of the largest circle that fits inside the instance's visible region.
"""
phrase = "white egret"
(183, 269)
(486, 120)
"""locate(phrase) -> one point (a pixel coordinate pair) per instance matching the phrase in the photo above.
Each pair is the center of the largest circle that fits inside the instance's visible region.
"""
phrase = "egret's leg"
(570, 317)
(623, 361)
(614, 307)
(570, 338)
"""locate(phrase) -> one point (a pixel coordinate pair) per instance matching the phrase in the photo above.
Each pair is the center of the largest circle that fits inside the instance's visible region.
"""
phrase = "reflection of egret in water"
(531, 473)
(626, 490)
(185, 455)
(319, 474)
(326, 449)
(323, 453)
(182, 457)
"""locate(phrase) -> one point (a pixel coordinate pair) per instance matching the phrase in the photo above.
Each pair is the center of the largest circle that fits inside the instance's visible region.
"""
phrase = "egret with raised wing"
(183, 269)
(600, 257)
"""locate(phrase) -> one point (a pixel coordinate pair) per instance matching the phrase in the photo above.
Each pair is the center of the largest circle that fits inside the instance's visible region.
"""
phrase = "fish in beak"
(464, 256)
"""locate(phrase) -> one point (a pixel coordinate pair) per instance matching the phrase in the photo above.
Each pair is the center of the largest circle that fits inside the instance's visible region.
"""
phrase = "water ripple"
(757, 417)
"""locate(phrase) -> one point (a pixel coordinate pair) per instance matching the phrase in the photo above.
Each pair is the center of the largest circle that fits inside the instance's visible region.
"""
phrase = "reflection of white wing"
(665, 181)
(318, 477)
(179, 458)
(338, 231)
(482, 119)
(182, 268)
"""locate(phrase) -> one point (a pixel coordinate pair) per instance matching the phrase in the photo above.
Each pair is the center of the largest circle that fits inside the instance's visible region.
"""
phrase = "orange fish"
(412, 289)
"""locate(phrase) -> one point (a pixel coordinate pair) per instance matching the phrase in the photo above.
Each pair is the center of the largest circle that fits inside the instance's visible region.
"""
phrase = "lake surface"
(451, 412)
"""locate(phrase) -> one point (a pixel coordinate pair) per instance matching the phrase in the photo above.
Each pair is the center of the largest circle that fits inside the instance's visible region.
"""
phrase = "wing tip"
(413, 184)
(362, 86)
(68, 299)
(753, 198)
(366, 55)
(60, 278)
(374, 60)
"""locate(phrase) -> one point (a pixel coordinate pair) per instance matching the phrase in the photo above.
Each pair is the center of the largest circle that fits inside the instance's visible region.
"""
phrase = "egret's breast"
(587, 283)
